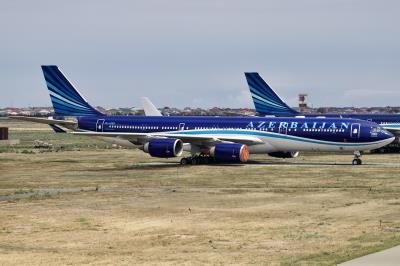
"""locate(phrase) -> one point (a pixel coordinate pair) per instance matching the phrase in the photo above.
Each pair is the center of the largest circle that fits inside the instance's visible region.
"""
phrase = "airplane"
(209, 139)
(268, 103)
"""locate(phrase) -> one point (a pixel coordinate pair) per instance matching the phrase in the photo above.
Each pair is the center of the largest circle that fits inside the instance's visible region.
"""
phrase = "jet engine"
(284, 154)
(164, 148)
(230, 152)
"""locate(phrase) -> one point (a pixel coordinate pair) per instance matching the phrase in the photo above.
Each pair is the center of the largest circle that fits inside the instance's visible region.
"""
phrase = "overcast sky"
(194, 53)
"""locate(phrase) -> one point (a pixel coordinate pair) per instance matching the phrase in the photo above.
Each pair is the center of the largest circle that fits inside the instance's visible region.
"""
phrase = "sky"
(194, 53)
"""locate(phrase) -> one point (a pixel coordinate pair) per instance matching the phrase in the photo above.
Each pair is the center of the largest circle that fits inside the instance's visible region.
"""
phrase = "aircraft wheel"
(357, 162)
(184, 161)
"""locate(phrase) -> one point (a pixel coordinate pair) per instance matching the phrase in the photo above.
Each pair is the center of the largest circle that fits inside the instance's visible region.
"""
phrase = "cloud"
(369, 93)
(195, 52)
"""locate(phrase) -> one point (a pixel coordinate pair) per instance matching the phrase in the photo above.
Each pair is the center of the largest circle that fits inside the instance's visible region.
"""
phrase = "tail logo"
(266, 101)
(65, 98)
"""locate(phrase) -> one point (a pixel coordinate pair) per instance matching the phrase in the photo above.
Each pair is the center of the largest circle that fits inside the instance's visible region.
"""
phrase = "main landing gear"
(357, 160)
(197, 159)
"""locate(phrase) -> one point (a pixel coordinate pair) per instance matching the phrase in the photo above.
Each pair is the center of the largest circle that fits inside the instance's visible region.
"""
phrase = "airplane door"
(355, 130)
(283, 130)
(181, 126)
(99, 125)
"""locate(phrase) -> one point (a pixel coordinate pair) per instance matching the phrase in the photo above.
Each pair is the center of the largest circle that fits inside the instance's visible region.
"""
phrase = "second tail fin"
(266, 101)
(65, 98)
(149, 108)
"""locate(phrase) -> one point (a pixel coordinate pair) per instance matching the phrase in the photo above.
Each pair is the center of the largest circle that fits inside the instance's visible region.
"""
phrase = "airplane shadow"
(299, 163)
(168, 165)
(177, 164)
(258, 163)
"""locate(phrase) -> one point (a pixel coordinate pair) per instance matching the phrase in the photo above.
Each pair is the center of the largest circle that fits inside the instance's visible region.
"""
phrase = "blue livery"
(329, 131)
(265, 99)
(263, 94)
(65, 98)
(212, 139)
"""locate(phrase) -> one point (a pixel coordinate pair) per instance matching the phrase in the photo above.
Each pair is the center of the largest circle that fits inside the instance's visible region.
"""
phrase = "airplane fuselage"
(381, 119)
(277, 134)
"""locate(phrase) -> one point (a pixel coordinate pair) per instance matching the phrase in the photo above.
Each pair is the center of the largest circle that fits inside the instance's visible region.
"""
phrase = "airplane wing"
(248, 140)
(149, 108)
(193, 139)
(43, 120)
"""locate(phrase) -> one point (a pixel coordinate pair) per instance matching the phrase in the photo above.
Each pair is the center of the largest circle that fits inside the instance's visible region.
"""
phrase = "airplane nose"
(387, 136)
(389, 140)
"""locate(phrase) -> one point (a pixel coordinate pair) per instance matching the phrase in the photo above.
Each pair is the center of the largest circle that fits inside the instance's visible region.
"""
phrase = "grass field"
(87, 203)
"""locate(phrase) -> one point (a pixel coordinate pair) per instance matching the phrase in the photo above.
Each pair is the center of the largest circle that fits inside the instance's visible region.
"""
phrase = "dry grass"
(270, 212)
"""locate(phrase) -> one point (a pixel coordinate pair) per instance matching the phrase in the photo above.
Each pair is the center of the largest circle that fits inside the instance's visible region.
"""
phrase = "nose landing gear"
(357, 158)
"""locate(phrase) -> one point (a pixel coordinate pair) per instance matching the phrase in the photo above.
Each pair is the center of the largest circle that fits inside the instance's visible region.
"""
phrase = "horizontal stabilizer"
(43, 120)
(57, 129)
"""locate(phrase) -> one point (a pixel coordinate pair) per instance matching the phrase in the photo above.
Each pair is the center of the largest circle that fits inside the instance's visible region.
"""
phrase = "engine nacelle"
(164, 148)
(230, 152)
(284, 154)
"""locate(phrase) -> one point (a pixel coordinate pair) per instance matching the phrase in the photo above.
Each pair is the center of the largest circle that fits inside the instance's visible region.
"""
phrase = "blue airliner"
(217, 139)
(268, 103)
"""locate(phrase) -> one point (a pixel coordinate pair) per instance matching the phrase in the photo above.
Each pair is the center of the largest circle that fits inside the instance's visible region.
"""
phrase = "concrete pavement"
(386, 257)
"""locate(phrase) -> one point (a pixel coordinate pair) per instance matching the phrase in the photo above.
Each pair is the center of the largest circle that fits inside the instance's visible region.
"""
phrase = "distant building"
(44, 112)
(302, 102)
(215, 111)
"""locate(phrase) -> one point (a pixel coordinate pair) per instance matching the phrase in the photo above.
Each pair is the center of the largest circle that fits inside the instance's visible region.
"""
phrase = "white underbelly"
(288, 144)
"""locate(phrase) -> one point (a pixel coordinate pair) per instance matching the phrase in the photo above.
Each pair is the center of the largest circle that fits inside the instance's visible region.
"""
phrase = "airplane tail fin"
(65, 98)
(266, 101)
(149, 108)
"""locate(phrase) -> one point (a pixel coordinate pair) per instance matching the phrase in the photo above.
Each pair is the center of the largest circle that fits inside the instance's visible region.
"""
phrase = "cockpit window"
(376, 129)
